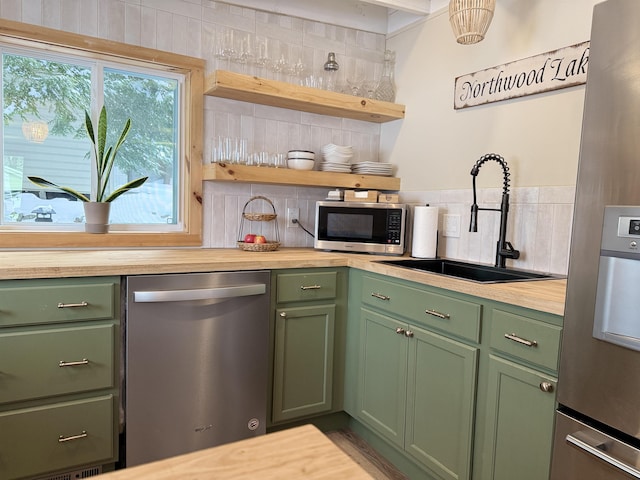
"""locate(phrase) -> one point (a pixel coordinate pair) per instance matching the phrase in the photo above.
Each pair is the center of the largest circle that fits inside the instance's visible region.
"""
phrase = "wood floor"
(365, 456)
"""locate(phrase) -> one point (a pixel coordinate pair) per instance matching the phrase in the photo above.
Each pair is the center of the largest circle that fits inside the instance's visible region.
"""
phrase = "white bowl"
(337, 157)
(300, 164)
(303, 154)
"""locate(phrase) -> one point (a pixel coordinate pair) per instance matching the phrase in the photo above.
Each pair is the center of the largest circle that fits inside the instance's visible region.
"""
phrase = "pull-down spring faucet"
(504, 249)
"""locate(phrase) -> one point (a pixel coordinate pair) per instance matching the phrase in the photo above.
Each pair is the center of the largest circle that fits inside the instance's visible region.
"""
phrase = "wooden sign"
(554, 70)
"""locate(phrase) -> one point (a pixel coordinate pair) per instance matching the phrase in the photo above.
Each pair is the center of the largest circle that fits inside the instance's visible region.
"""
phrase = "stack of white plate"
(373, 168)
(337, 153)
(335, 167)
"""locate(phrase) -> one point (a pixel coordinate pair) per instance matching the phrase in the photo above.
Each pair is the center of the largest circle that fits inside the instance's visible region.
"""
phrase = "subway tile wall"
(540, 218)
(539, 225)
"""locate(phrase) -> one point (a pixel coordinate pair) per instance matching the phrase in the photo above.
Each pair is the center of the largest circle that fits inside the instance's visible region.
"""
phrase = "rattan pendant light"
(470, 19)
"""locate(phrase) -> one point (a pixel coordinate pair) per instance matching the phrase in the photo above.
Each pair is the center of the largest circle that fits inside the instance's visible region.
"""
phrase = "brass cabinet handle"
(408, 334)
(84, 361)
(523, 341)
(73, 305)
(310, 287)
(283, 314)
(62, 438)
(400, 330)
(380, 296)
(443, 316)
(546, 387)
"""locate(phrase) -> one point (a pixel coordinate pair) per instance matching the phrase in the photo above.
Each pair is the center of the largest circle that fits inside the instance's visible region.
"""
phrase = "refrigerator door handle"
(597, 447)
(199, 293)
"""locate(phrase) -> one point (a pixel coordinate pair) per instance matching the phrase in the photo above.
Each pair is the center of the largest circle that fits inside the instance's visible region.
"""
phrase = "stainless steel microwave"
(361, 227)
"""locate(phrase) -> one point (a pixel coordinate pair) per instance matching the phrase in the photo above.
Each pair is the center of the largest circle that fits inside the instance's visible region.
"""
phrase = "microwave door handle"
(591, 446)
(199, 293)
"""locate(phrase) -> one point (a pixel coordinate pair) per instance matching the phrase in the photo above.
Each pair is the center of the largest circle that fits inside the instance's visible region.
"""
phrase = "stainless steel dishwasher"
(195, 363)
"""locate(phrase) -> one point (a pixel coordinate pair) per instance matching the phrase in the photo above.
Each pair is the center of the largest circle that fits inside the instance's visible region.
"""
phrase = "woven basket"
(258, 217)
(258, 247)
(470, 19)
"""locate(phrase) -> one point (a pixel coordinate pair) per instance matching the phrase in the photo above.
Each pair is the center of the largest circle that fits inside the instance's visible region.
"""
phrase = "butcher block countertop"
(543, 295)
(296, 453)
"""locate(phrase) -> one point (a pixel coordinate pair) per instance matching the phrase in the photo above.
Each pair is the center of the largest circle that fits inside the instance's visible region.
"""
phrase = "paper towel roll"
(425, 232)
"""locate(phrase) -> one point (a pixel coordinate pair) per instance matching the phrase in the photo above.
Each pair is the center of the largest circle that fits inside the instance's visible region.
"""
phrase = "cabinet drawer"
(56, 437)
(300, 287)
(30, 362)
(529, 339)
(451, 315)
(53, 302)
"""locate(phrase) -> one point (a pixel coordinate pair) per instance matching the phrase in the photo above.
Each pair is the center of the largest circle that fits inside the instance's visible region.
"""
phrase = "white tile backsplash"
(541, 231)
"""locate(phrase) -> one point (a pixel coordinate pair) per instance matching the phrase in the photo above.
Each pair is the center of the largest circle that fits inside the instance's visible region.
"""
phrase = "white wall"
(436, 146)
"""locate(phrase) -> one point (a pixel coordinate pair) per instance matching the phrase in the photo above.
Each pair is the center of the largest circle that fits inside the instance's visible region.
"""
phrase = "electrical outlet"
(292, 214)
(451, 225)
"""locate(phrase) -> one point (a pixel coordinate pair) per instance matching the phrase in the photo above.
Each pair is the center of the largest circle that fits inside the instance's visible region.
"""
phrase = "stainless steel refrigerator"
(598, 420)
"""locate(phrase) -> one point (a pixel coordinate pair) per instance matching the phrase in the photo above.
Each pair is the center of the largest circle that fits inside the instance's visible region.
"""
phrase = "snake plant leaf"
(125, 188)
(41, 182)
(104, 161)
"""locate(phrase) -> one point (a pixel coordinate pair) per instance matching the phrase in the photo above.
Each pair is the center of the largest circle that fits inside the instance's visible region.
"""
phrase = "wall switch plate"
(451, 225)
(292, 214)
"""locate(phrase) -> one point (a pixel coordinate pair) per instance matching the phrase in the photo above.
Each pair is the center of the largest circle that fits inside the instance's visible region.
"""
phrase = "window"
(46, 88)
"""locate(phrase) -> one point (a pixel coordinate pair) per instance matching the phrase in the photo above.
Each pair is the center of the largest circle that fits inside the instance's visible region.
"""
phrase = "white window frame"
(129, 57)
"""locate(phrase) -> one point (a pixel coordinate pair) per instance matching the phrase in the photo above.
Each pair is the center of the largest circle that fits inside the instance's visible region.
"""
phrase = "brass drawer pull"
(380, 296)
(444, 316)
(73, 305)
(84, 361)
(62, 438)
(310, 287)
(523, 341)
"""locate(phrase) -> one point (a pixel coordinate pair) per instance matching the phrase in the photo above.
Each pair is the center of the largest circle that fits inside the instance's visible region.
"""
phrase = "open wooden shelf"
(284, 176)
(247, 88)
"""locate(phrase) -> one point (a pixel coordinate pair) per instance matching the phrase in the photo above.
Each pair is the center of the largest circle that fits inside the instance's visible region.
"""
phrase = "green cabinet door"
(441, 402)
(382, 376)
(303, 361)
(520, 416)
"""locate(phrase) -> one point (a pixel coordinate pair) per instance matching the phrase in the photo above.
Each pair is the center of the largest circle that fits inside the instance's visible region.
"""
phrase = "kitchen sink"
(470, 271)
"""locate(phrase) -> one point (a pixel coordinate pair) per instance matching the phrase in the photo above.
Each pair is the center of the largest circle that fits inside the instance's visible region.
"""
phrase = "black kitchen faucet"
(504, 249)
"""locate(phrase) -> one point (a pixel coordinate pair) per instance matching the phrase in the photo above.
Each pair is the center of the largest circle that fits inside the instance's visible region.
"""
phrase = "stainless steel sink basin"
(470, 271)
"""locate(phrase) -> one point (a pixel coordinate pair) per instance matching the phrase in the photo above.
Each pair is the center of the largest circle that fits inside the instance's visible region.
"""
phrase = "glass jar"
(386, 89)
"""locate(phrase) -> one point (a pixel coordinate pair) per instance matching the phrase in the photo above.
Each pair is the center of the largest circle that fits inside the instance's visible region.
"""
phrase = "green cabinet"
(303, 361)
(520, 403)
(59, 375)
(416, 384)
(448, 385)
(520, 415)
(307, 330)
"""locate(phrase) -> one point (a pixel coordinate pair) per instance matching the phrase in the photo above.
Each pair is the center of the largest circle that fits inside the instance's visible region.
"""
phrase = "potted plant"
(97, 210)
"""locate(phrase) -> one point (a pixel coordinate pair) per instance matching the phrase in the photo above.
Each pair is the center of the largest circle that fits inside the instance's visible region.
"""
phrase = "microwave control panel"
(394, 227)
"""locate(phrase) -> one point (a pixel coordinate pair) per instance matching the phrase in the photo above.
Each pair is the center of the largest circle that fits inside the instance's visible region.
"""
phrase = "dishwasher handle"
(158, 296)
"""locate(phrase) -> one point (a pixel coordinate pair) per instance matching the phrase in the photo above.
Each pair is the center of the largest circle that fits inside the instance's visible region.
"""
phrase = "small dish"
(300, 163)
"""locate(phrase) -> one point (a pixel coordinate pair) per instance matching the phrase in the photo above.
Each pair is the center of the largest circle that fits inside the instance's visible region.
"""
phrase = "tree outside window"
(43, 102)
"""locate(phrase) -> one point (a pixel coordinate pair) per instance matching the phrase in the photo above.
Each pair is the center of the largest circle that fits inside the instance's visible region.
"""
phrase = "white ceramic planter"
(96, 215)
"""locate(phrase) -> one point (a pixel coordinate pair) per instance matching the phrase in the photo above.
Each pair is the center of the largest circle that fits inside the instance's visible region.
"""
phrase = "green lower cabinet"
(303, 361)
(417, 389)
(56, 436)
(440, 403)
(382, 380)
(520, 416)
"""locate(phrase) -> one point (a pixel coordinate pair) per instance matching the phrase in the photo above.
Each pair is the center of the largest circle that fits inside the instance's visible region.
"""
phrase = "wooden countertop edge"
(300, 452)
(546, 296)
